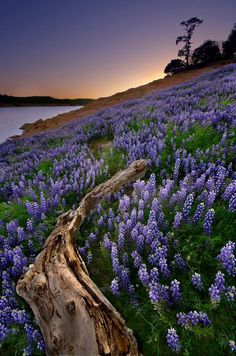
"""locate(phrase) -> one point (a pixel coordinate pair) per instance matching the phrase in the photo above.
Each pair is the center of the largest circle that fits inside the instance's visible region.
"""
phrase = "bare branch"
(74, 316)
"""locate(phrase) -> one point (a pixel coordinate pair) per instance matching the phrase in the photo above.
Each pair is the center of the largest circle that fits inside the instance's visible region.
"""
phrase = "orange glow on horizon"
(110, 88)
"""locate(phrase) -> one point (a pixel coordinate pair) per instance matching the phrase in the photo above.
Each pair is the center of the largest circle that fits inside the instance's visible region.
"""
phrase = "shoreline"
(40, 126)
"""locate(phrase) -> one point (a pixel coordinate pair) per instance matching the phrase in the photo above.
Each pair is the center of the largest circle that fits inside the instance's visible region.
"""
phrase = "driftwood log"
(74, 316)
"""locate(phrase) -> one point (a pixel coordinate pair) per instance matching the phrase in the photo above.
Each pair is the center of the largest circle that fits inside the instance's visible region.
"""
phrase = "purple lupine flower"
(232, 203)
(208, 220)
(154, 274)
(198, 213)
(12, 227)
(43, 203)
(140, 214)
(177, 220)
(21, 234)
(151, 185)
(166, 190)
(146, 197)
(134, 234)
(111, 214)
(232, 345)
(154, 294)
(220, 281)
(197, 282)
(175, 291)
(99, 208)
(125, 259)
(203, 196)
(100, 221)
(200, 182)
(204, 319)
(227, 258)
(173, 340)
(210, 199)
(176, 169)
(229, 191)
(89, 257)
(179, 261)
(230, 293)
(143, 275)
(140, 242)
(137, 259)
(182, 320)
(217, 288)
(110, 224)
(107, 243)
(164, 292)
(92, 237)
(164, 267)
(133, 217)
(121, 235)
(115, 287)
(141, 204)
(193, 318)
(187, 206)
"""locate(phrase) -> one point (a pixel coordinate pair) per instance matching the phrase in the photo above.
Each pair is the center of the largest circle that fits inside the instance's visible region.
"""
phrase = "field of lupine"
(163, 249)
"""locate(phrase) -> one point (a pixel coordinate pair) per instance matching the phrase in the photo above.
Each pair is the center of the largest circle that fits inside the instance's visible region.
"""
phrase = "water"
(12, 118)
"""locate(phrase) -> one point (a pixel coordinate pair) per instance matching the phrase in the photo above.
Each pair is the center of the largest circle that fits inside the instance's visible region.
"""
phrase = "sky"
(95, 48)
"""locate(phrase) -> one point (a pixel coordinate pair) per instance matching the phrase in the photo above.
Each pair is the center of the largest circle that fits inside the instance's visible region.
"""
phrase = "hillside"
(102, 103)
(162, 249)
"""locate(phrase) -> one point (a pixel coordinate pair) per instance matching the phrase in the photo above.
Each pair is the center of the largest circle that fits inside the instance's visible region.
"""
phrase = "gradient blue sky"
(85, 48)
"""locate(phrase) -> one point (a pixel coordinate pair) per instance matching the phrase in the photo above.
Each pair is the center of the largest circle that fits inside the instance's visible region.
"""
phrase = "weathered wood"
(74, 316)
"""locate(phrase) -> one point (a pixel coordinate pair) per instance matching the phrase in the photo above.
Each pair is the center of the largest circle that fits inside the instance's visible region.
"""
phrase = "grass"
(11, 211)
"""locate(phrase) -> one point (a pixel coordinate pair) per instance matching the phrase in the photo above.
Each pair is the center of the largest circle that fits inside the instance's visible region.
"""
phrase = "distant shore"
(91, 108)
(25, 101)
(33, 105)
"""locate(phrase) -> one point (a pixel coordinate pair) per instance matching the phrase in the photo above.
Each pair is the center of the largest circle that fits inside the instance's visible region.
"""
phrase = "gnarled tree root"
(74, 316)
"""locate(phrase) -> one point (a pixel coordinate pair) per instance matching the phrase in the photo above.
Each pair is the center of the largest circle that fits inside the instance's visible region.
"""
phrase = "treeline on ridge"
(208, 52)
(9, 100)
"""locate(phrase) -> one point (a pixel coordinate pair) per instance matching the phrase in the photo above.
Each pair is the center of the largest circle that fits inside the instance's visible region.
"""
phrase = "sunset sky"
(94, 48)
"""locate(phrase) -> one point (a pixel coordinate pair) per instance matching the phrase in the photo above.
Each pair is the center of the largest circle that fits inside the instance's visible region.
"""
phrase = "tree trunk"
(74, 316)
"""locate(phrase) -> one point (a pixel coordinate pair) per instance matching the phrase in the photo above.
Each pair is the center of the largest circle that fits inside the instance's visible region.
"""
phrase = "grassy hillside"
(162, 250)
(118, 98)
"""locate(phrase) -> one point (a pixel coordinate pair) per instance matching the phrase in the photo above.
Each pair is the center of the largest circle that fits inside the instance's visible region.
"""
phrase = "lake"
(12, 118)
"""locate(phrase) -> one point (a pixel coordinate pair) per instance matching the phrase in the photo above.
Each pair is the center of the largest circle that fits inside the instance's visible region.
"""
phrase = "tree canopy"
(229, 46)
(188, 26)
(175, 66)
(208, 52)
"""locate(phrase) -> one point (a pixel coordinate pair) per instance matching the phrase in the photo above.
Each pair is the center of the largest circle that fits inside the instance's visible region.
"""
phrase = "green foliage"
(226, 101)
(55, 142)
(203, 137)
(11, 211)
(45, 167)
(136, 124)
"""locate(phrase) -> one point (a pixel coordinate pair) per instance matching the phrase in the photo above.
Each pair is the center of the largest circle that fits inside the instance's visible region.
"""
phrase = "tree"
(229, 46)
(74, 316)
(208, 52)
(175, 66)
(189, 26)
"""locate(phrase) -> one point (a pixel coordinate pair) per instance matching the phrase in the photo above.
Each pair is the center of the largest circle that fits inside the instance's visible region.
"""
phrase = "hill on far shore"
(9, 100)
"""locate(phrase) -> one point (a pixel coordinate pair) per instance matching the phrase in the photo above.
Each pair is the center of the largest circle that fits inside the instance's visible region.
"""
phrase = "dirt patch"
(99, 145)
